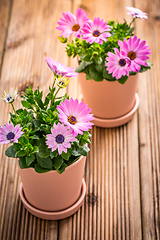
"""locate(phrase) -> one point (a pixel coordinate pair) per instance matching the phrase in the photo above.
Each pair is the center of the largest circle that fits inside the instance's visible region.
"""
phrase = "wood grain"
(30, 38)
(112, 169)
(149, 114)
(5, 13)
(122, 171)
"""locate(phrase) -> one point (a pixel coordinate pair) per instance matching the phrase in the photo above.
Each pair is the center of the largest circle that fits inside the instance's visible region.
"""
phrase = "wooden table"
(123, 167)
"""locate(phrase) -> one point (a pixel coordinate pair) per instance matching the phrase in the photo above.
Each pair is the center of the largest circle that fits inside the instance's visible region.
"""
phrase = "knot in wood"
(83, 7)
(24, 86)
(157, 18)
(92, 199)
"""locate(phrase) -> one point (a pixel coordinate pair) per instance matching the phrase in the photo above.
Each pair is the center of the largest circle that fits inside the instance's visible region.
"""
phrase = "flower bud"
(62, 39)
(95, 54)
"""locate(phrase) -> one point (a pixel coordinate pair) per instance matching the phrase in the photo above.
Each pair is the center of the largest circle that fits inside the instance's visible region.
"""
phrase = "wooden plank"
(115, 170)
(5, 11)
(31, 37)
(149, 115)
(112, 169)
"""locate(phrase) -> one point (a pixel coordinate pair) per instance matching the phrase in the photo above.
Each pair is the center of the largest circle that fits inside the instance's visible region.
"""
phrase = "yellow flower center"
(132, 55)
(72, 119)
(75, 27)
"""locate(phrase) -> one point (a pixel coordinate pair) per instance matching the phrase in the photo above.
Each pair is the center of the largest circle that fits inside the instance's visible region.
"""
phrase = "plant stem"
(54, 82)
(57, 92)
(14, 109)
(132, 21)
(54, 96)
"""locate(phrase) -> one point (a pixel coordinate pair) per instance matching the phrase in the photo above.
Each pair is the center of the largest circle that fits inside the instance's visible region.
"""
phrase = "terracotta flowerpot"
(51, 191)
(112, 103)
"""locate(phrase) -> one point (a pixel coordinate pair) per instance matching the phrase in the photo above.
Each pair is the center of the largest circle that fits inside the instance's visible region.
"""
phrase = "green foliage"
(36, 119)
(92, 56)
(123, 79)
(11, 152)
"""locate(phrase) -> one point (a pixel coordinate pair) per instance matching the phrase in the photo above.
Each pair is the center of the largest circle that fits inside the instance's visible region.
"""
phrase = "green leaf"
(132, 73)
(95, 74)
(85, 137)
(11, 152)
(83, 150)
(45, 162)
(130, 30)
(26, 104)
(88, 76)
(48, 97)
(82, 66)
(57, 162)
(24, 113)
(86, 58)
(62, 168)
(22, 163)
(30, 159)
(99, 60)
(54, 154)
(34, 137)
(43, 154)
(21, 153)
(36, 122)
(35, 149)
(26, 120)
(17, 146)
(99, 67)
(23, 140)
(75, 153)
(39, 169)
(123, 79)
(108, 76)
(66, 156)
(39, 101)
(73, 159)
(19, 111)
(143, 68)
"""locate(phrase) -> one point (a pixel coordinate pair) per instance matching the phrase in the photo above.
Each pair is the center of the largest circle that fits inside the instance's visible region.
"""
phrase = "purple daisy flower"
(96, 31)
(9, 133)
(75, 115)
(60, 69)
(117, 64)
(136, 13)
(136, 51)
(60, 138)
(72, 24)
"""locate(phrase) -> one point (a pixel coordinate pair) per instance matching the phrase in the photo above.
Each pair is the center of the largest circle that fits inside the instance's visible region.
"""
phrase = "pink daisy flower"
(75, 115)
(60, 69)
(136, 13)
(72, 24)
(60, 138)
(117, 64)
(136, 51)
(9, 133)
(96, 31)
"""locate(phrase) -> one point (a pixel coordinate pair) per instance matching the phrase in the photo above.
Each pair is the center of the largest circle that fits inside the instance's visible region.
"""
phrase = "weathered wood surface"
(123, 167)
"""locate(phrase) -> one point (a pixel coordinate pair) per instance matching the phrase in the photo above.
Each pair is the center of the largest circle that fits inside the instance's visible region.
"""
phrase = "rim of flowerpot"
(68, 167)
(115, 122)
(58, 214)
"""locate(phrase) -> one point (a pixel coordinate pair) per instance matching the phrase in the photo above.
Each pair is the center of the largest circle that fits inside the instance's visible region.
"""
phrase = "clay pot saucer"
(54, 215)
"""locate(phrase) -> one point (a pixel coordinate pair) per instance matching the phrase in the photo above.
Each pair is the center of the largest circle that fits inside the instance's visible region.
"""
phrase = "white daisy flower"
(10, 96)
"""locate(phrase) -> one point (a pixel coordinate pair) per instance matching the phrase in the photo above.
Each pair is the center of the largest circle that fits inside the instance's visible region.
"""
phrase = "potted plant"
(48, 137)
(109, 57)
